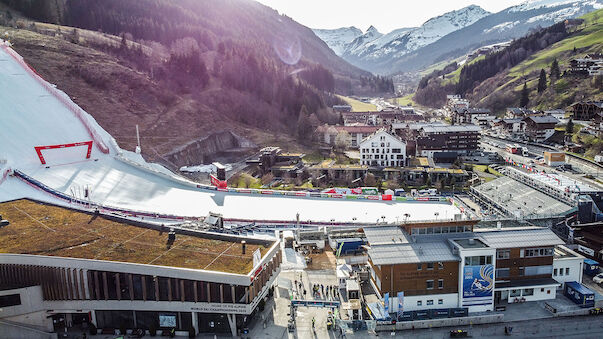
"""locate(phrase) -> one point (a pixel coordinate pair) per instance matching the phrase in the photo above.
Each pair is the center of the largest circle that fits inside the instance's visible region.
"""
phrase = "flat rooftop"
(560, 182)
(470, 243)
(47, 230)
(562, 252)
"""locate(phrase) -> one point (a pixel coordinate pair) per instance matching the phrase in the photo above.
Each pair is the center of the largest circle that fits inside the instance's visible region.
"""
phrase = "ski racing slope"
(31, 116)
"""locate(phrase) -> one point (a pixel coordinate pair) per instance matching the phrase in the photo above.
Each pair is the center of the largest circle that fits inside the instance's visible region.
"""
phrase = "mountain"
(495, 80)
(373, 47)
(505, 25)
(338, 38)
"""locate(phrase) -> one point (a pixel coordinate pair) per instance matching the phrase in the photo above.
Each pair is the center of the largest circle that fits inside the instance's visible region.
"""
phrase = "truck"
(513, 149)
(591, 267)
(554, 159)
(525, 152)
(579, 294)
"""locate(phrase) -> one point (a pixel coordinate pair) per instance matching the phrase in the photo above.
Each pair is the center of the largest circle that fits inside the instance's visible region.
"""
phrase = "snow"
(338, 38)
(31, 117)
(203, 168)
(535, 4)
(502, 27)
(372, 46)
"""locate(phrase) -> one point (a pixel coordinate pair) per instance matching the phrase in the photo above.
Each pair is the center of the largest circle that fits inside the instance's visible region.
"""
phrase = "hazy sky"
(386, 15)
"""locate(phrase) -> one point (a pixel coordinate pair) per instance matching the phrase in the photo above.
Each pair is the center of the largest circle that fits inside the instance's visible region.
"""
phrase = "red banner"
(216, 182)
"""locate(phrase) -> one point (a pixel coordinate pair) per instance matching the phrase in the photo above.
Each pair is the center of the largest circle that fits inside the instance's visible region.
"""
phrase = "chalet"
(541, 127)
(591, 64)
(586, 110)
(469, 115)
(519, 113)
(511, 127)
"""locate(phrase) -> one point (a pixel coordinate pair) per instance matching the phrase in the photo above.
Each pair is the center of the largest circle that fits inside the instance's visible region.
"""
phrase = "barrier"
(63, 98)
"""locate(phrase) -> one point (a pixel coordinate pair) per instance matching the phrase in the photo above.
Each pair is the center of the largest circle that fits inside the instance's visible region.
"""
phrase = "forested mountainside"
(511, 23)
(496, 80)
(190, 68)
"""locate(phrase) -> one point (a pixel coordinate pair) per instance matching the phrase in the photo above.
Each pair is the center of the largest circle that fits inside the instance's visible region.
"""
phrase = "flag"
(400, 305)
(386, 304)
(339, 249)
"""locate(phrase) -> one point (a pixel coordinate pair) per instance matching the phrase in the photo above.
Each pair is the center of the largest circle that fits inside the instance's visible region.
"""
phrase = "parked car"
(598, 278)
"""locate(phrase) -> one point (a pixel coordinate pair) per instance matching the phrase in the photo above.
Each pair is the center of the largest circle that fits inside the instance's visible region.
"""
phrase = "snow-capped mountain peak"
(373, 45)
(338, 38)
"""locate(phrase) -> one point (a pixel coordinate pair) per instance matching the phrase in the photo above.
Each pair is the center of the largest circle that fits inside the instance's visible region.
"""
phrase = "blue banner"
(478, 285)
(386, 303)
(400, 305)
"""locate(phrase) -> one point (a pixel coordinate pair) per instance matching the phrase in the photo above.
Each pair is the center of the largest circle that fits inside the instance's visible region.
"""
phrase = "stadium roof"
(41, 229)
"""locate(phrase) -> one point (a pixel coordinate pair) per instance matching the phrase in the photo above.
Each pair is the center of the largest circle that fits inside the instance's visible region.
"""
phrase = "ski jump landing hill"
(53, 151)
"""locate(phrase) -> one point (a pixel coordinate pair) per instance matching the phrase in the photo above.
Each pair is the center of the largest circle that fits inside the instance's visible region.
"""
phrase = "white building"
(382, 149)
(567, 265)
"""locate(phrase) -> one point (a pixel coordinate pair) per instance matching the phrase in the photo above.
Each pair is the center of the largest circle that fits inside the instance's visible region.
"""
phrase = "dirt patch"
(323, 261)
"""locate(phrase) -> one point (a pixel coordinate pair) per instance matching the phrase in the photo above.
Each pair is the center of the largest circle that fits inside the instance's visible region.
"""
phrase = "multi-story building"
(74, 269)
(512, 127)
(586, 111)
(519, 113)
(437, 138)
(567, 265)
(591, 64)
(450, 265)
(540, 127)
(469, 115)
(382, 149)
(328, 133)
(381, 118)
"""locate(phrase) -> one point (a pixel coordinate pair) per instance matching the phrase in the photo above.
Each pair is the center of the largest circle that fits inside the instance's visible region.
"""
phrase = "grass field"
(403, 101)
(47, 230)
(358, 106)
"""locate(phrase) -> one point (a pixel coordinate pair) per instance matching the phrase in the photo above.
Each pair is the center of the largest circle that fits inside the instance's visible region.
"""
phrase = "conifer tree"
(525, 96)
(542, 81)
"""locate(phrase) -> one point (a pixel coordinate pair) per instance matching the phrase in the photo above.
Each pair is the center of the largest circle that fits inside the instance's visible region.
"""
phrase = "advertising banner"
(478, 285)
(400, 305)
(386, 304)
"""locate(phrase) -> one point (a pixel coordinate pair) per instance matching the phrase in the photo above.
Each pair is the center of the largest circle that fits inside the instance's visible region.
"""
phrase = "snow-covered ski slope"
(31, 116)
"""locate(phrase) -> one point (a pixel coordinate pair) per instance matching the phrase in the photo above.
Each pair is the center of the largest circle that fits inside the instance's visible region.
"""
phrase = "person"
(322, 289)
(313, 322)
(304, 293)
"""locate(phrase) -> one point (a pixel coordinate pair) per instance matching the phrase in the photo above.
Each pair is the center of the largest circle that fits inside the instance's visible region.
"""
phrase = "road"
(500, 145)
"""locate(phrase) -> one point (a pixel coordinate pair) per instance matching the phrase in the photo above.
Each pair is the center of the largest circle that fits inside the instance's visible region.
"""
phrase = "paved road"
(584, 166)
(500, 149)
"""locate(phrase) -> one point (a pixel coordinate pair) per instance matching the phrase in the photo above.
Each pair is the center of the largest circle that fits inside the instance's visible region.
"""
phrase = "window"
(429, 302)
(10, 300)
(538, 252)
(561, 272)
(528, 291)
(502, 273)
(538, 270)
(555, 272)
(419, 266)
(440, 301)
(542, 289)
(503, 254)
(478, 260)
(521, 271)
(567, 271)
(440, 265)
(515, 293)
(419, 303)
(440, 284)
(430, 284)
(430, 266)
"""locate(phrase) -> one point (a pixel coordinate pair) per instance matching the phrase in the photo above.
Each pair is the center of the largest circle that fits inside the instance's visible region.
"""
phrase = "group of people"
(329, 291)
(318, 290)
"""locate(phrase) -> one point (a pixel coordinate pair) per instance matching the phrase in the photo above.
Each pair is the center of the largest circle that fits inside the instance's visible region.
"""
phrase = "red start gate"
(39, 149)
